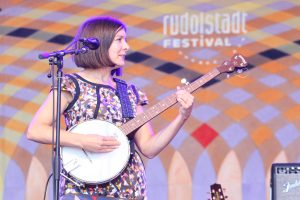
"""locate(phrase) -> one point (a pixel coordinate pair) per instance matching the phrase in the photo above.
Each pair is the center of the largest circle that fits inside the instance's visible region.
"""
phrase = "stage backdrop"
(240, 124)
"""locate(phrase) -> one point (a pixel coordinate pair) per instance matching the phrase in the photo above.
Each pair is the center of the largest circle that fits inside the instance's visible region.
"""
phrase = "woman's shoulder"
(140, 96)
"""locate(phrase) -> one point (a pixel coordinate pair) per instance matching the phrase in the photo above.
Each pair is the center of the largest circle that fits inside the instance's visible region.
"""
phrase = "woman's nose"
(126, 46)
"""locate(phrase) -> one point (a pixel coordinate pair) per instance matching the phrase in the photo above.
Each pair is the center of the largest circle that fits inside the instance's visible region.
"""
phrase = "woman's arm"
(151, 144)
(40, 129)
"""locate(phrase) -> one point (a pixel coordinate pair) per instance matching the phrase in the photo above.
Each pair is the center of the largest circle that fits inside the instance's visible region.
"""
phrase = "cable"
(45, 191)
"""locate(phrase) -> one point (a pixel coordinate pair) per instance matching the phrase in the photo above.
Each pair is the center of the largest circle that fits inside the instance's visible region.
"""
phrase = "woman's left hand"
(186, 101)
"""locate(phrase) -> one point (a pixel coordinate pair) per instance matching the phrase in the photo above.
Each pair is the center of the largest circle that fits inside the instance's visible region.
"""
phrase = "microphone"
(91, 43)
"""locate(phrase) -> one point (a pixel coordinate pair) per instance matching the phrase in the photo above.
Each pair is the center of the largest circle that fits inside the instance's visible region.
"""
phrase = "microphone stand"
(58, 61)
(56, 172)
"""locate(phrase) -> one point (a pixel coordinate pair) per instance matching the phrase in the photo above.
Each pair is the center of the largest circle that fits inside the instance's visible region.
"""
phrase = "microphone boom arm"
(88, 44)
(62, 53)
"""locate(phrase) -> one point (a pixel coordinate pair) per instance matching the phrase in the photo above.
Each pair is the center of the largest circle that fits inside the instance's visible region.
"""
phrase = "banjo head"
(96, 168)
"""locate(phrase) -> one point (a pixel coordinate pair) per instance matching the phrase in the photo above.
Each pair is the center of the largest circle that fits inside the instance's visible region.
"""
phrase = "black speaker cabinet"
(285, 181)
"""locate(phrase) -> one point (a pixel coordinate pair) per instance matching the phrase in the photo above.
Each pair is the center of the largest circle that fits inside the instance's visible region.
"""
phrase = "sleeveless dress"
(97, 101)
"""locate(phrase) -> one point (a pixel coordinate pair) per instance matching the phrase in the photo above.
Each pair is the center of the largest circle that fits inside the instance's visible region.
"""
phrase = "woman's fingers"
(108, 144)
(98, 143)
(109, 140)
(186, 101)
(184, 98)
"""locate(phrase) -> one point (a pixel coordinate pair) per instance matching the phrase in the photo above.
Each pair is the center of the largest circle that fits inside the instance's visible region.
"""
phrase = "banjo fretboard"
(164, 104)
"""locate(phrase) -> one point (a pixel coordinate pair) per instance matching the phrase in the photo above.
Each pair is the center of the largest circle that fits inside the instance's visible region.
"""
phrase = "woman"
(91, 94)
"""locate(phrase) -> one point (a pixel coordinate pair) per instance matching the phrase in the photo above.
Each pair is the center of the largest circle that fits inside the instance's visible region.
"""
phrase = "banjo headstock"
(237, 61)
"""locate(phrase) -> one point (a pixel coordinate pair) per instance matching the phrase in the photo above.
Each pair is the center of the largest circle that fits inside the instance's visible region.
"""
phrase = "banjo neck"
(236, 61)
(164, 104)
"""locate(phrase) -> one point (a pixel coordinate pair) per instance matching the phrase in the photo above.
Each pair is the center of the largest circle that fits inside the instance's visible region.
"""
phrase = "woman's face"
(118, 48)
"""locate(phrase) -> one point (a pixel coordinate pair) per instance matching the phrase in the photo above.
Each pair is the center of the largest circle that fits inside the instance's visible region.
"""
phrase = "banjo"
(97, 168)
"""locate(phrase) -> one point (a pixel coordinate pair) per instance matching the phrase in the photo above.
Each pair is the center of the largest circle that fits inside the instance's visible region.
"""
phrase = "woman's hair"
(103, 28)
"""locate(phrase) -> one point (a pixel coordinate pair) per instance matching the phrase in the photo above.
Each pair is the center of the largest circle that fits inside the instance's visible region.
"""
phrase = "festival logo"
(202, 37)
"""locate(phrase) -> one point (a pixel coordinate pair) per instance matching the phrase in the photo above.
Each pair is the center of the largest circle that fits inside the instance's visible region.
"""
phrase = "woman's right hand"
(98, 143)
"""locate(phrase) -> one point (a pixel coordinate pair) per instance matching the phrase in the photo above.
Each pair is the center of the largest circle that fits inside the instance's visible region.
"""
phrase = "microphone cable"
(46, 186)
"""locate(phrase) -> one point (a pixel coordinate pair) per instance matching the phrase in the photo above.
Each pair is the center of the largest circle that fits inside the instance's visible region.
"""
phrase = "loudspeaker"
(285, 181)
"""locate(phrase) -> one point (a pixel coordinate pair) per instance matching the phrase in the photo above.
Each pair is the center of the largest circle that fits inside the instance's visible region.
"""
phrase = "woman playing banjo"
(93, 94)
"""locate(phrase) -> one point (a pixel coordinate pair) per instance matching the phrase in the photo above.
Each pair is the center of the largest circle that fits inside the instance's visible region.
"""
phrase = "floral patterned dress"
(97, 101)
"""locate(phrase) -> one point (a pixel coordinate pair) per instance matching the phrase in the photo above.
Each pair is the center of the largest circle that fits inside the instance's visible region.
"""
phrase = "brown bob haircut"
(103, 28)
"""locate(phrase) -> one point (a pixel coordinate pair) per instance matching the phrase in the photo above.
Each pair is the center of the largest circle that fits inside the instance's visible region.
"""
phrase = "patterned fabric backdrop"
(240, 124)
